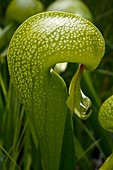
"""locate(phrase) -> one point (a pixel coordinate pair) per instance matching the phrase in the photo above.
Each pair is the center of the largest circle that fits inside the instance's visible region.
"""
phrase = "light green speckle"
(39, 43)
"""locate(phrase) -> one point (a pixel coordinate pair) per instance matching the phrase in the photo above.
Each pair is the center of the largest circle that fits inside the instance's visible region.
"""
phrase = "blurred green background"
(18, 143)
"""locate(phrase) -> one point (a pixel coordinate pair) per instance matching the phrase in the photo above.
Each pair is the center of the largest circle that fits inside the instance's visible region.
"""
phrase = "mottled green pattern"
(106, 114)
(64, 38)
(48, 38)
(39, 43)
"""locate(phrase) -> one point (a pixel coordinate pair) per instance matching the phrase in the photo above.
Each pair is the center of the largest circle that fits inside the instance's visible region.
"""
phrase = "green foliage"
(77, 101)
(106, 114)
(39, 89)
(22, 9)
(72, 6)
(19, 148)
(108, 163)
